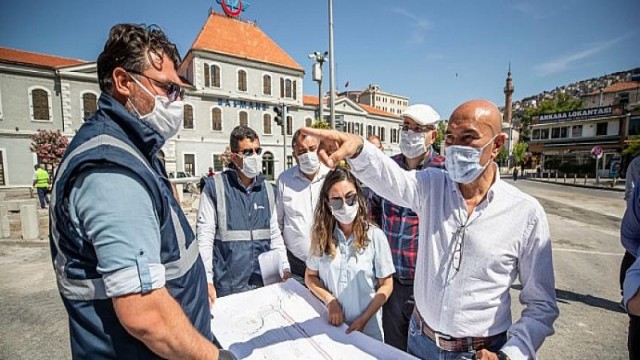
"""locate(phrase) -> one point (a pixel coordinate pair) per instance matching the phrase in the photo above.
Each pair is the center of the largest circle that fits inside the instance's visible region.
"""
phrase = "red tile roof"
(228, 36)
(617, 87)
(313, 101)
(30, 58)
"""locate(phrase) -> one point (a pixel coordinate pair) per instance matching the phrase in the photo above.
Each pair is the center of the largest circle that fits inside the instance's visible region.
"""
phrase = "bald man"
(482, 234)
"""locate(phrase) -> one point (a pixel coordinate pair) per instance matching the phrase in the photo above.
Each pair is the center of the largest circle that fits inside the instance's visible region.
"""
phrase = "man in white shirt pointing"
(481, 234)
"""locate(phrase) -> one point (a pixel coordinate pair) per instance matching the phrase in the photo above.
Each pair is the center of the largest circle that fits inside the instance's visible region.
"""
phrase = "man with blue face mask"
(481, 235)
(296, 200)
(125, 258)
(400, 224)
(237, 220)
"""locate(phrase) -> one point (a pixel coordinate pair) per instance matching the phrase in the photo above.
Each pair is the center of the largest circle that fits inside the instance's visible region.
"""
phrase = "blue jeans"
(419, 345)
(42, 196)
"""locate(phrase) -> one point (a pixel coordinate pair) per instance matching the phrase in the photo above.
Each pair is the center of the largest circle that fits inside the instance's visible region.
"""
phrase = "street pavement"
(584, 225)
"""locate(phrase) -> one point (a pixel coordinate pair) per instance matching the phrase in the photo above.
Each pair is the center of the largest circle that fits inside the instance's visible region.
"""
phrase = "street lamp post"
(332, 78)
(319, 59)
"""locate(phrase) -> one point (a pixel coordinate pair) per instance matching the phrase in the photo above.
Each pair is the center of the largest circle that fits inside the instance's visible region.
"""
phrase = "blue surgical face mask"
(463, 162)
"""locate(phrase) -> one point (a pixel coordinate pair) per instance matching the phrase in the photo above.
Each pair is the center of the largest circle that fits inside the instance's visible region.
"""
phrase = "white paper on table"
(285, 321)
(270, 267)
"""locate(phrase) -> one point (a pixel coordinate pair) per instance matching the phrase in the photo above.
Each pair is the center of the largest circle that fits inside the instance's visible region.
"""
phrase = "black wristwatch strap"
(503, 356)
(358, 151)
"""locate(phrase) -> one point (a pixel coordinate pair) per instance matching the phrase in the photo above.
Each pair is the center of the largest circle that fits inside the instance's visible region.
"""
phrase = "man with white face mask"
(480, 235)
(400, 224)
(237, 220)
(125, 258)
(296, 199)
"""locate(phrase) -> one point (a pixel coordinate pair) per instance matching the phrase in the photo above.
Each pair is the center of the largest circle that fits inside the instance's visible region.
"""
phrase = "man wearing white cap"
(400, 224)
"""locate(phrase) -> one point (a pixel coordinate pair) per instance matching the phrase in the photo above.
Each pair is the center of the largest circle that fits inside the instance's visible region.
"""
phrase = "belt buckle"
(439, 336)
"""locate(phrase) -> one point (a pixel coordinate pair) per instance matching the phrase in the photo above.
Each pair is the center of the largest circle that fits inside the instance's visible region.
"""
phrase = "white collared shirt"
(296, 202)
(507, 236)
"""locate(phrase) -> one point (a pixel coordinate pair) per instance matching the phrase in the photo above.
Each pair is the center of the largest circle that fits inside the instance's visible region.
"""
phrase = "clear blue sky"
(438, 52)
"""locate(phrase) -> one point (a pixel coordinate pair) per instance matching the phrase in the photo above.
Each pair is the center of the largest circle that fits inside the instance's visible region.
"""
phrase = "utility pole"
(332, 77)
(316, 74)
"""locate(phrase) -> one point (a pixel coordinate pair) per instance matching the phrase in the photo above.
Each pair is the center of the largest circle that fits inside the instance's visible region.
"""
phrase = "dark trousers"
(633, 341)
(396, 314)
(298, 267)
(627, 260)
(42, 195)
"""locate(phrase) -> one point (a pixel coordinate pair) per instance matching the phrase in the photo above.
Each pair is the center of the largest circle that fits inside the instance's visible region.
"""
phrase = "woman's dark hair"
(131, 46)
(323, 221)
(240, 133)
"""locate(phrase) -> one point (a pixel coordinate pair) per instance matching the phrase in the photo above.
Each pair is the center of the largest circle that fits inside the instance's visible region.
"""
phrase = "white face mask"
(251, 165)
(309, 162)
(346, 214)
(412, 143)
(463, 162)
(166, 116)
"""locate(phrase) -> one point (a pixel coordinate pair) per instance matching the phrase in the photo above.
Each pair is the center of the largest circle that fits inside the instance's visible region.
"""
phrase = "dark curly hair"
(130, 46)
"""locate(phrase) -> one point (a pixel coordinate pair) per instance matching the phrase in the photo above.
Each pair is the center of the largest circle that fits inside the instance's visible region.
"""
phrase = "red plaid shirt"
(400, 224)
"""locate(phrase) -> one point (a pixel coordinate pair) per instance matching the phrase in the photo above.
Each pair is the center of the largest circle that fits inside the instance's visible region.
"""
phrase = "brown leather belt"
(449, 343)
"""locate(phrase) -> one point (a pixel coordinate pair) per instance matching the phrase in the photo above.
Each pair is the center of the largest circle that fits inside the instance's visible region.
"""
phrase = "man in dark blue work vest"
(237, 220)
(125, 257)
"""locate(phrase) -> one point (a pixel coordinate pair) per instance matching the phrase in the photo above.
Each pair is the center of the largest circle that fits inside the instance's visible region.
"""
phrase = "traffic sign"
(596, 152)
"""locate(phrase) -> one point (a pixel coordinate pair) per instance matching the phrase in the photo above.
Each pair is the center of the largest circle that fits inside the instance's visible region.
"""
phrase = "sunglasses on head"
(174, 91)
(338, 203)
(249, 152)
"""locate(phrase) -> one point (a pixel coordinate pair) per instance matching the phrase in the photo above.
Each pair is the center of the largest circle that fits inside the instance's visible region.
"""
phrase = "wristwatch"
(503, 356)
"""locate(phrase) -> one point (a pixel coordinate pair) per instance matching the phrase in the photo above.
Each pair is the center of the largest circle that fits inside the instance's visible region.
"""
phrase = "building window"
(244, 118)
(218, 166)
(267, 166)
(1, 116)
(216, 119)
(555, 133)
(394, 136)
(634, 126)
(215, 76)
(281, 87)
(242, 80)
(188, 117)
(308, 122)
(295, 90)
(189, 164)
(287, 89)
(576, 131)
(89, 105)
(289, 125)
(207, 79)
(601, 129)
(564, 131)
(266, 124)
(266, 84)
(544, 134)
(3, 181)
(369, 130)
(535, 134)
(40, 104)
(383, 138)
(289, 161)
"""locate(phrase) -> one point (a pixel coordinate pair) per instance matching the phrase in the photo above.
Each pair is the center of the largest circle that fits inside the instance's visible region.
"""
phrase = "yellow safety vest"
(42, 178)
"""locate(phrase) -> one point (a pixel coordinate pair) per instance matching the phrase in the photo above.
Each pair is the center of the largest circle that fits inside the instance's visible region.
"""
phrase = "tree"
(633, 149)
(442, 127)
(519, 151)
(503, 155)
(320, 124)
(50, 146)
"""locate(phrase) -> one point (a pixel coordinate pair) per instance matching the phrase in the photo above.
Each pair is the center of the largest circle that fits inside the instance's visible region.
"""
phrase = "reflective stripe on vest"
(223, 233)
(42, 178)
(90, 289)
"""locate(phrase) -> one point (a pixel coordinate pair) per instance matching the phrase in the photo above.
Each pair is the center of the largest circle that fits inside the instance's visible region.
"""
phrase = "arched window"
(308, 122)
(287, 88)
(369, 130)
(267, 165)
(289, 125)
(207, 79)
(215, 75)
(242, 80)
(40, 105)
(244, 118)
(89, 104)
(266, 84)
(382, 135)
(188, 117)
(216, 119)
(266, 124)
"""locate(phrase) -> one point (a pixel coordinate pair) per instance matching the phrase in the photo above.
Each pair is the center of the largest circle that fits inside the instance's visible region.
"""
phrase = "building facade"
(374, 97)
(238, 74)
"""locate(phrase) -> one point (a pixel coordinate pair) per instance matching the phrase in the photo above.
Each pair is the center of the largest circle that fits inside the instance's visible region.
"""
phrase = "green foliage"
(49, 145)
(561, 102)
(633, 149)
(321, 124)
(503, 155)
(519, 151)
(442, 127)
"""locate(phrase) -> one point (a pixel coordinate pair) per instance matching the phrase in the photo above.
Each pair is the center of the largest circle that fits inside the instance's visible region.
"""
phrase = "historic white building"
(238, 75)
